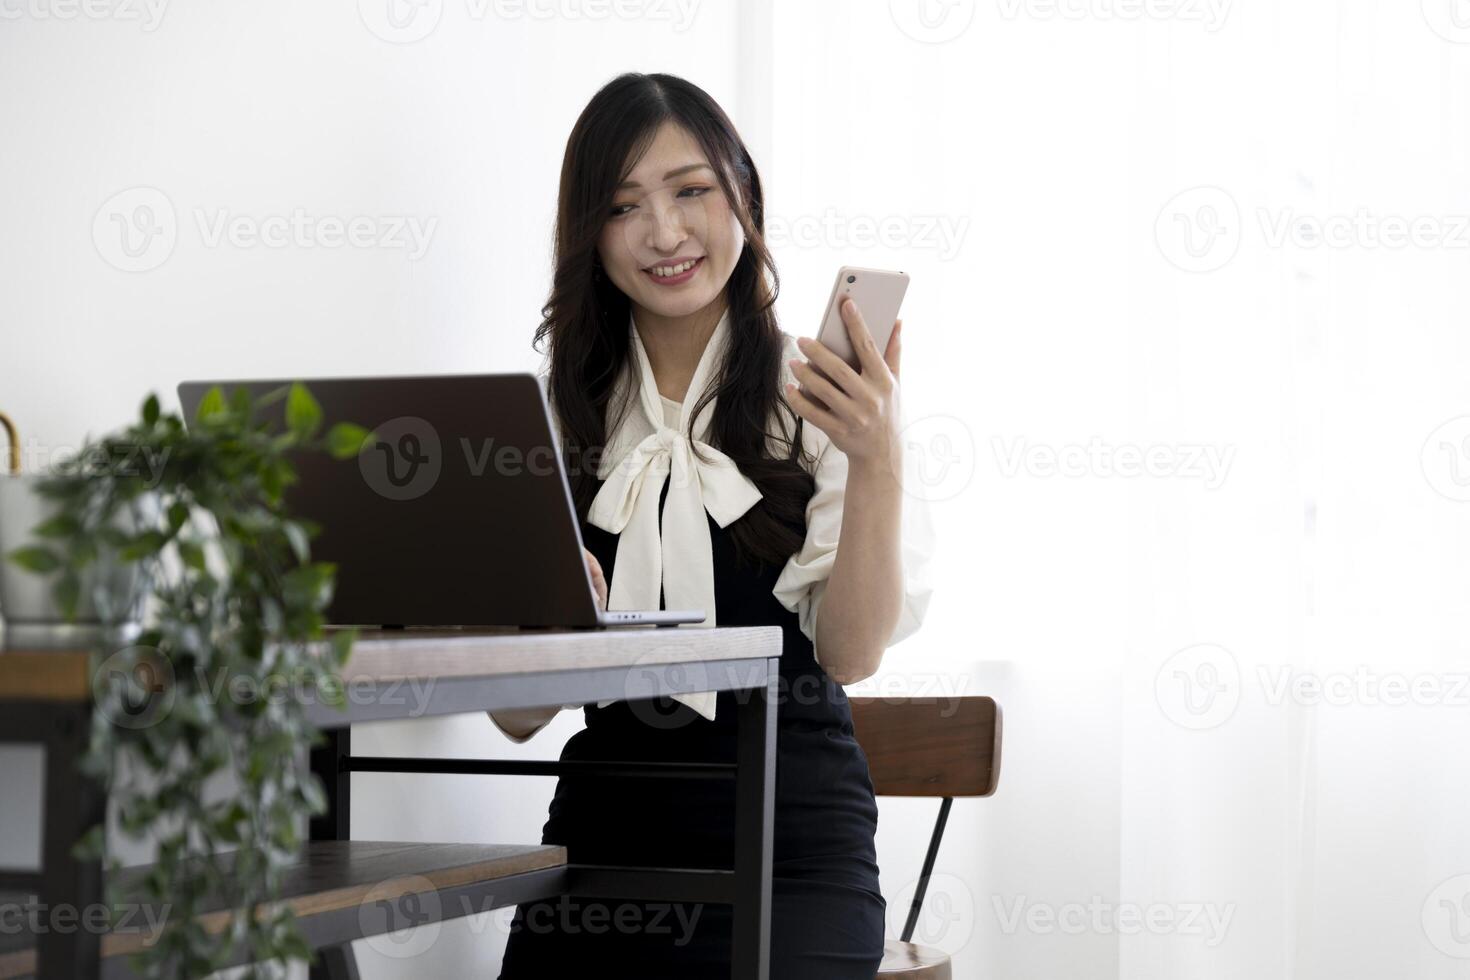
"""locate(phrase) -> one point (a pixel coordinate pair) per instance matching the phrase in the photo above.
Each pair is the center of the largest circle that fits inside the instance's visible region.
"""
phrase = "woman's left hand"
(858, 412)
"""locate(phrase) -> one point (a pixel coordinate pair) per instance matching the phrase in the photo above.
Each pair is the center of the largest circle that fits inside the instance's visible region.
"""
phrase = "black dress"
(827, 915)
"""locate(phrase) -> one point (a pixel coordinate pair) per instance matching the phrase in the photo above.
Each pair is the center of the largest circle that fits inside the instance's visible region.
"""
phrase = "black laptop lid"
(457, 512)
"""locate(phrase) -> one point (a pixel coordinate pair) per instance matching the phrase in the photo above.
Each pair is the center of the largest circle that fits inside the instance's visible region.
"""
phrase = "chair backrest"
(940, 747)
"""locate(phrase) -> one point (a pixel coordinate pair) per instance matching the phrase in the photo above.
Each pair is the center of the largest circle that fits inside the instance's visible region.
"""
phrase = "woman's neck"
(675, 344)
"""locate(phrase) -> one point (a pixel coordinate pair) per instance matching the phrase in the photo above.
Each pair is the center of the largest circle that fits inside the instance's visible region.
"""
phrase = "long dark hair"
(585, 319)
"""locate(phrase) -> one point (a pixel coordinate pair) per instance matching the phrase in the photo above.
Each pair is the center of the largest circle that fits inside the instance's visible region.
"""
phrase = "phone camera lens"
(852, 278)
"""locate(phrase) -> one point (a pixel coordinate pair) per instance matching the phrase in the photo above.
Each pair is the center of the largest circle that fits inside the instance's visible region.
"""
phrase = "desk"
(395, 674)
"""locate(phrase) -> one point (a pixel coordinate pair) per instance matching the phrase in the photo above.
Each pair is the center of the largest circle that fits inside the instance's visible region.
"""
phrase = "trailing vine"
(199, 729)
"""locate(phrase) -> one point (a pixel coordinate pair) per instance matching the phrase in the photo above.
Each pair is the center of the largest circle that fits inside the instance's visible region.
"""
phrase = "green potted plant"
(236, 606)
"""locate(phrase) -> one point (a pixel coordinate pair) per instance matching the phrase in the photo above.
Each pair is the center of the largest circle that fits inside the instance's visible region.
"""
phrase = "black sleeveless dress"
(827, 915)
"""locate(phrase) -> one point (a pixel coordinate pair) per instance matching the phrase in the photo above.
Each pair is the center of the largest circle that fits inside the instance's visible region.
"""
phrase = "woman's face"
(671, 212)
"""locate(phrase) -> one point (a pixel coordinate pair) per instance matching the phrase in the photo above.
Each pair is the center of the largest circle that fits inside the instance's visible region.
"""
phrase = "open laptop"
(457, 512)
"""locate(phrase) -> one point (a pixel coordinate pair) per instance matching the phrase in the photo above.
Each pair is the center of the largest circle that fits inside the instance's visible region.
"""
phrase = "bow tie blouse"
(652, 446)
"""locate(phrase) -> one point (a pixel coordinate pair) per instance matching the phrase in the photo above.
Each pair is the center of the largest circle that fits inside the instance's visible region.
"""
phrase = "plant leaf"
(211, 405)
(308, 585)
(91, 845)
(68, 592)
(240, 401)
(60, 526)
(300, 541)
(303, 414)
(342, 641)
(345, 440)
(145, 544)
(36, 559)
(192, 555)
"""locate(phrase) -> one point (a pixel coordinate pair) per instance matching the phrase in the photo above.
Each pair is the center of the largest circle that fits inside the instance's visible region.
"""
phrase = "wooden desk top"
(385, 655)
(393, 654)
(53, 675)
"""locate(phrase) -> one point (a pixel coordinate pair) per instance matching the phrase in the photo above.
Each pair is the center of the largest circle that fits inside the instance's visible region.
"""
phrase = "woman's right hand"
(522, 723)
(599, 583)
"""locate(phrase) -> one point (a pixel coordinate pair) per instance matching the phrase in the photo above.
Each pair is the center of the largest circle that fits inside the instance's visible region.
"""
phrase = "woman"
(722, 487)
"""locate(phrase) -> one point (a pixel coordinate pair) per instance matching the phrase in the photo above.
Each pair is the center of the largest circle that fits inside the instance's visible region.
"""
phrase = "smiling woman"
(719, 489)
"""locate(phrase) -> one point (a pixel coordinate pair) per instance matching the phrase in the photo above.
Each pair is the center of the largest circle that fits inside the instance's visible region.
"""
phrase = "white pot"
(31, 618)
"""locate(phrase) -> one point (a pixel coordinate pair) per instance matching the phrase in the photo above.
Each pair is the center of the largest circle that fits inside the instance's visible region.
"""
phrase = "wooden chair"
(938, 747)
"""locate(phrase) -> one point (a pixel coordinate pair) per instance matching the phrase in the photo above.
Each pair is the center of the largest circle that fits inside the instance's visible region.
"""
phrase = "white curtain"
(1187, 322)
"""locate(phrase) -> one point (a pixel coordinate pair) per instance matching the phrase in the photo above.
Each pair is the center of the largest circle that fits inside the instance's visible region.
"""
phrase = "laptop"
(457, 512)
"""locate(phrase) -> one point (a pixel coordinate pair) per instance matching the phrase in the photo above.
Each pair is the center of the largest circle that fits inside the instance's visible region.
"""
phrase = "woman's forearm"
(864, 597)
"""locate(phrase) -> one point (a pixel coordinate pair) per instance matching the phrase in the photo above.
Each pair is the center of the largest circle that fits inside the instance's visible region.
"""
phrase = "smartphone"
(878, 294)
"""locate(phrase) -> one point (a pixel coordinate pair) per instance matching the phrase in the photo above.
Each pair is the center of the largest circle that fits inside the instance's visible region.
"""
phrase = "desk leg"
(74, 804)
(336, 963)
(329, 763)
(755, 808)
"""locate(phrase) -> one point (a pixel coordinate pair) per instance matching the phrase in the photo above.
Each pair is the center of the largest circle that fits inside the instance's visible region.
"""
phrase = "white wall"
(257, 110)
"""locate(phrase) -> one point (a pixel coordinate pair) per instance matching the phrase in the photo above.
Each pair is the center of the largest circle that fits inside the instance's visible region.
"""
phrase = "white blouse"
(651, 445)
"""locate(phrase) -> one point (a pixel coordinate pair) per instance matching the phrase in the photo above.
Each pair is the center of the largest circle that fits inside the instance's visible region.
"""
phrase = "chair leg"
(918, 902)
(335, 963)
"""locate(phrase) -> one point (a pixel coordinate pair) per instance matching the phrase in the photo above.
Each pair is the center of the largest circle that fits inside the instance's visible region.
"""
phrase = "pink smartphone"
(878, 294)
